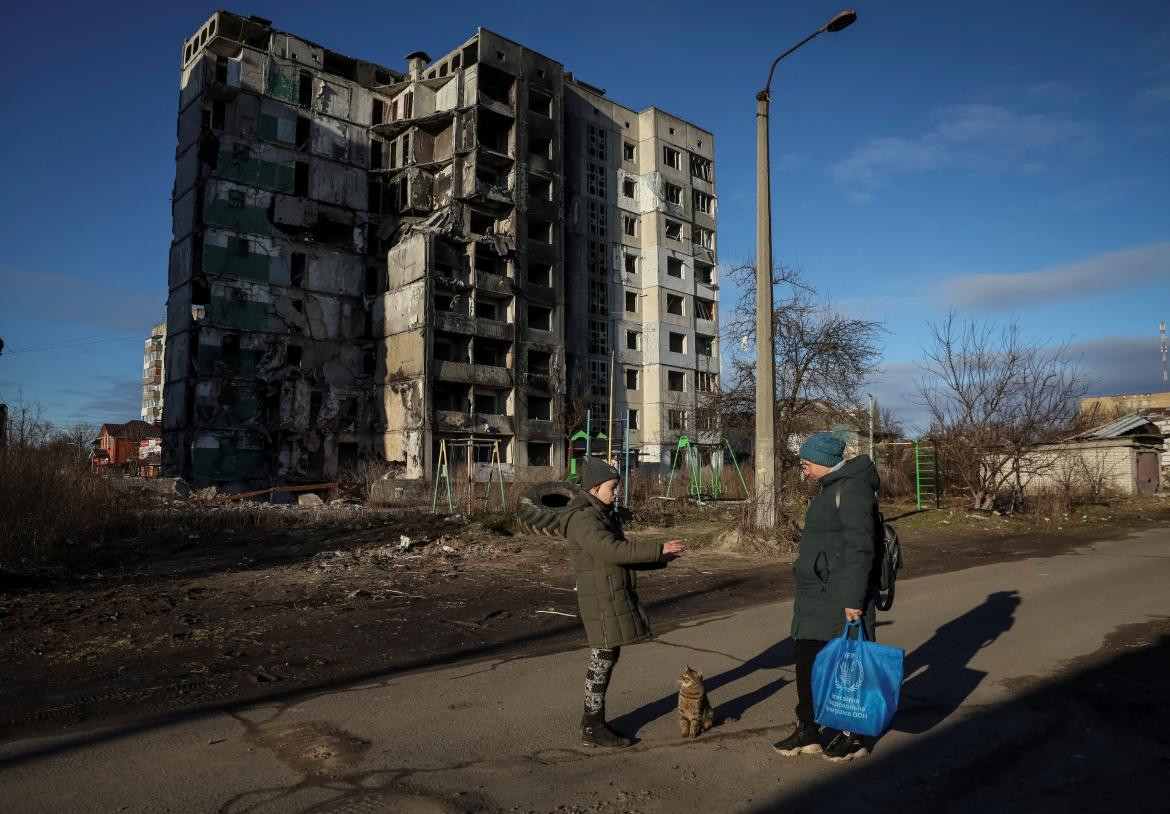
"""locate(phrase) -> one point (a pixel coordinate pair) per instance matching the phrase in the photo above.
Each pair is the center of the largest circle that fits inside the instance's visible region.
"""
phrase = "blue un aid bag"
(855, 683)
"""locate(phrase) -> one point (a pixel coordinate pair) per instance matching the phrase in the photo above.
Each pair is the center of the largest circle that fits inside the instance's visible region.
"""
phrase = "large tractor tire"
(541, 507)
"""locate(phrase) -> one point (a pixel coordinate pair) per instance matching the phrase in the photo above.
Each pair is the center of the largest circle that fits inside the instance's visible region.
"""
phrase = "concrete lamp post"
(765, 452)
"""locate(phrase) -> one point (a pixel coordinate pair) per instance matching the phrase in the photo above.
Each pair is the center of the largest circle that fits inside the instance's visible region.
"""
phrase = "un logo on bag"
(850, 674)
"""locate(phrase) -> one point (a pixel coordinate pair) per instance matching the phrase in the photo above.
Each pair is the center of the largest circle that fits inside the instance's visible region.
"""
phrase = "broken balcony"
(466, 373)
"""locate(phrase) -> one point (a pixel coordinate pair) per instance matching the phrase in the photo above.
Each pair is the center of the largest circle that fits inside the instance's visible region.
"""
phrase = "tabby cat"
(695, 715)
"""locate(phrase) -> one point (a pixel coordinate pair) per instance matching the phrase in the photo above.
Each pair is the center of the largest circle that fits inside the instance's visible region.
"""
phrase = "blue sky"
(1006, 159)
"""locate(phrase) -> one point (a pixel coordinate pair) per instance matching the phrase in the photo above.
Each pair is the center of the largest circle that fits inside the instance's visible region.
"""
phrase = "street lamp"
(765, 452)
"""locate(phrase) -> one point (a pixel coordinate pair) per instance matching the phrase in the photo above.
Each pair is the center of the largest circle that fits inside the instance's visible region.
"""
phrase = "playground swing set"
(443, 474)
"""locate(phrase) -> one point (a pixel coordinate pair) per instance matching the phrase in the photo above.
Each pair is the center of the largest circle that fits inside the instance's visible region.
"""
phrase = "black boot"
(594, 732)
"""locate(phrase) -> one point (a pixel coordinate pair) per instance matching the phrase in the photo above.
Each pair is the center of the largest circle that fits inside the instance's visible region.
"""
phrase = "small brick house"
(120, 445)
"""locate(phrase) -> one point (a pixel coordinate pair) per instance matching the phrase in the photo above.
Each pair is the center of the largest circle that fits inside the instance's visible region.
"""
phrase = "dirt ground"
(213, 617)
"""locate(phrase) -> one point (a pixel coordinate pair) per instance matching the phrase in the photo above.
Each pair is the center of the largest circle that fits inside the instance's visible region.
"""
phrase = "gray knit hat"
(823, 448)
(597, 471)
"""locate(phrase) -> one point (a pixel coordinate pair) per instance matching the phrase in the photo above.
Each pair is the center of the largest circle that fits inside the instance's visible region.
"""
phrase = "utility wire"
(74, 343)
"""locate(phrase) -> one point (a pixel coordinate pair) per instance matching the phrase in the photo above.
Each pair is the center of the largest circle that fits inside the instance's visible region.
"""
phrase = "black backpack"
(889, 550)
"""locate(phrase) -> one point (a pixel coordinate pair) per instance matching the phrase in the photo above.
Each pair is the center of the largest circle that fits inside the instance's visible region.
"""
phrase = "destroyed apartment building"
(369, 262)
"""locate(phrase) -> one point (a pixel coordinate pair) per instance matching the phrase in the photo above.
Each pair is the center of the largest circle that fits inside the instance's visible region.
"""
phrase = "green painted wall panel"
(228, 461)
(251, 219)
(228, 262)
(283, 83)
(255, 172)
(243, 362)
(241, 314)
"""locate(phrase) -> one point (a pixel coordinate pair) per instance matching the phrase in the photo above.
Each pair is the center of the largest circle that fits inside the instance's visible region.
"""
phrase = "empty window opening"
(630, 225)
(297, 270)
(295, 354)
(540, 408)
(704, 345)
(598, 337)
(236, 198)
(539, 318)
(539, 362)
(705, 274)
(674, 305)
(540, 231)
(369, 362)
(673, 194)
(494, 132)
(672, 158)
(375, 154)
(673, 230)
(631, 378)
(379, 110)
(705, 382)
(676, 419)
(539, 453)
(540, 274)
(678, 343)
(218, 115)
(703, 202)
(631, 264)
(301, 178)
(302, 135)
(705, 237)
(629, 187)
(482, 223)
(631, 302)
(373, 281)
(633, 340)
(704, 309)
(674, 268)
(633, 414)
(539, 102)
(305, 90)
(488, 309)
(486, 403)
(629, 151)
(675, 381)
(540, 147)
(701, 167)
(540, 188)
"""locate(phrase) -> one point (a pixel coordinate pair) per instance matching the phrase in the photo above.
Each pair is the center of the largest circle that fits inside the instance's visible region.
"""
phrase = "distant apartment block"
(152, 374)
(369, 262)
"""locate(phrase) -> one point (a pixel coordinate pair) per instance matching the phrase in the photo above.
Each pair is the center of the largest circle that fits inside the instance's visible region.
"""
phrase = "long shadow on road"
(940, 678)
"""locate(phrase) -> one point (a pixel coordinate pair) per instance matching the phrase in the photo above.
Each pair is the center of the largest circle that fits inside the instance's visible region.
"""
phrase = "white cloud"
(973, 137)
(1084, 278)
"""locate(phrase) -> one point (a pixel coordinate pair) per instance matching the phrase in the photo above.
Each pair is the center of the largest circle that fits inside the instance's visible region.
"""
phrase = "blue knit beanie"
(823, 448)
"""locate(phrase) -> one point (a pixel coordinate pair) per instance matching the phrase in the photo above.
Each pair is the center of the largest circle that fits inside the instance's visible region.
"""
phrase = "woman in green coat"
(836, 578)
(604, 562)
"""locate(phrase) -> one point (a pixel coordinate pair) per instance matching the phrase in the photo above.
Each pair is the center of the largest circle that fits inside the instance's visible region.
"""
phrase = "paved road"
(985, 648)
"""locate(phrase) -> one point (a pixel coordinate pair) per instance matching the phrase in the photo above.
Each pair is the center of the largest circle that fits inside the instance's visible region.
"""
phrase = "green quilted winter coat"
(604, 562)
(837, 567)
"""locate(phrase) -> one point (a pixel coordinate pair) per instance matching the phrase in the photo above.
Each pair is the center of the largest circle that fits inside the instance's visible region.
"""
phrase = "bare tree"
(27, 425)
(823, 358)
(992, 395)
(79, 438)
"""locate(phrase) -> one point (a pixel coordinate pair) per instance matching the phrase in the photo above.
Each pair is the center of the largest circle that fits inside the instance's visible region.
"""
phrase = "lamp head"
(842, 19)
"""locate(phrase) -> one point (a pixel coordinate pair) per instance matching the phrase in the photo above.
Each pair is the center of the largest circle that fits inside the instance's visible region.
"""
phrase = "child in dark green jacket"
(604, 562)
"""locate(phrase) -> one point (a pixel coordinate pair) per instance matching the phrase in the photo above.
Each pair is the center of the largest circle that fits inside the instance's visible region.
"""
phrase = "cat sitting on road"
(695, 715)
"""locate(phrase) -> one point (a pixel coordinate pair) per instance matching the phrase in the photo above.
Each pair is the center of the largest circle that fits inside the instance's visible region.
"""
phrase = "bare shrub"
(47, 497)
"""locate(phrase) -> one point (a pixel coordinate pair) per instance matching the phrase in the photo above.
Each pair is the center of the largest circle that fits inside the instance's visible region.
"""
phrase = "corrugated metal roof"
(1118, 428)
